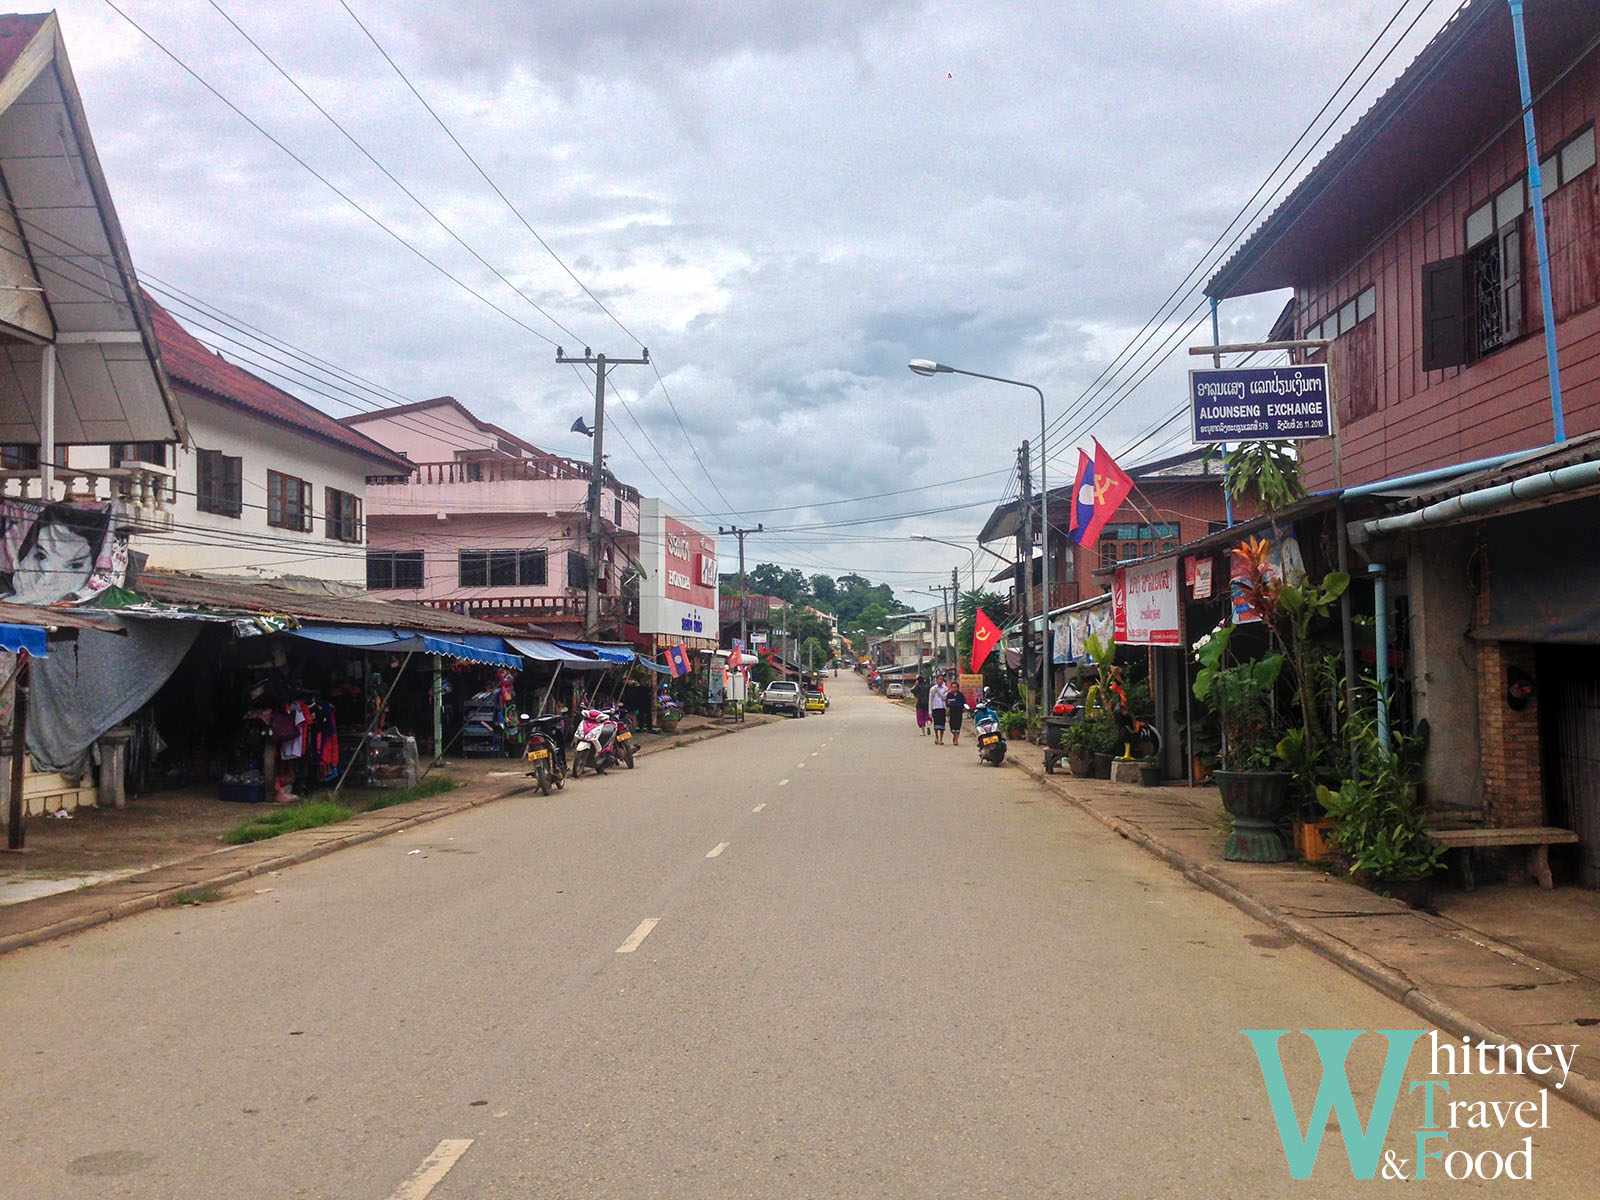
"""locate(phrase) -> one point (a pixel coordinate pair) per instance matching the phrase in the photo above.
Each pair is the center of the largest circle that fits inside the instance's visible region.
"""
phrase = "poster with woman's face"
(52, 553)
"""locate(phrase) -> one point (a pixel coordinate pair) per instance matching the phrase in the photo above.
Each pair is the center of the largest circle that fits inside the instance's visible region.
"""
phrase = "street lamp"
(926, 367)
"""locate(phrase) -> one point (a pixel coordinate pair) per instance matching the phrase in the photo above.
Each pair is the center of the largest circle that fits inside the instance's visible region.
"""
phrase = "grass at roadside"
(319, 809)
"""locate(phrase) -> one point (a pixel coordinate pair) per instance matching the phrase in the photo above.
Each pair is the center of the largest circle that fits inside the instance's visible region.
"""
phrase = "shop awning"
(658, 668)
(548, 652)
(24, 637)
(478, 649)
(610, 654)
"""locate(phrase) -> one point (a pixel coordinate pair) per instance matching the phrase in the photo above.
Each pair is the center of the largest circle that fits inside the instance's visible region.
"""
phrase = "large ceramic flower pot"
(1102, 766)
(1258, 802)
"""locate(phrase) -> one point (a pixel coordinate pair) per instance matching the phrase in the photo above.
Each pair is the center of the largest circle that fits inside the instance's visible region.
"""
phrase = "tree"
(824, 588)
(769, 579)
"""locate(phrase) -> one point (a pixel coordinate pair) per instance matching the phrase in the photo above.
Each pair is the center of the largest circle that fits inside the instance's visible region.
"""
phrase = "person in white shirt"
(936, 710)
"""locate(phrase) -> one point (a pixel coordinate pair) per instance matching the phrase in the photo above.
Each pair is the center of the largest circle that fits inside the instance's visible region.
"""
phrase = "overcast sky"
(785, 200)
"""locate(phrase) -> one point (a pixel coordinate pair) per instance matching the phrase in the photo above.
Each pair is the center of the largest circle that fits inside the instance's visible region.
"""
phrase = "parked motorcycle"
(986, 724)
(546, 751)
(596, 746)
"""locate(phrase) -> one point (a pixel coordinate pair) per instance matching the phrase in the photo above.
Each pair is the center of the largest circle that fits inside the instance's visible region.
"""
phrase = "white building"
(266, 486)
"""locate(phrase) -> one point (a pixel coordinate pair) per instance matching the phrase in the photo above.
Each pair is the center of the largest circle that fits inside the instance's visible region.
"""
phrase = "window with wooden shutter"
(1444, 316)
(342, 516)
(219, 483)
(288, 502)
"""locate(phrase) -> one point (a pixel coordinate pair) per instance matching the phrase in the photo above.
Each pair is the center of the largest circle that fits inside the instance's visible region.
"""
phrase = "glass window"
(394, 569)
(343, 518)
(1480, 224)
(219, 483)
(1577, 156)
(288, 502)
(1366, 304)
(532, 570)
(1550, 174)
(1347, 316)
(472, 568)
(1509, 204)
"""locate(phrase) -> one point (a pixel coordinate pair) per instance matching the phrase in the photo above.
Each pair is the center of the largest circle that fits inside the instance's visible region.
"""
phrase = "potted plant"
(1103, 744)
(1077, 741)
(1149, 772)
(1255, 792)
(1378, 825)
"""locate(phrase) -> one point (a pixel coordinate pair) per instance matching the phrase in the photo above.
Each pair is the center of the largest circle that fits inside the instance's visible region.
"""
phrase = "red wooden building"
(1411, 245)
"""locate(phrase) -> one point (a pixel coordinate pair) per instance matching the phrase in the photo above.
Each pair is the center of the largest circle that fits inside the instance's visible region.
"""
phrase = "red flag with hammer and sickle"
(985, 637)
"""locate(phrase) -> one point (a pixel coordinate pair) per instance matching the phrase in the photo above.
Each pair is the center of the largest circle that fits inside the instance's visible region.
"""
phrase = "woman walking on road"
(936, 711)
(955, 704)
(920, 695)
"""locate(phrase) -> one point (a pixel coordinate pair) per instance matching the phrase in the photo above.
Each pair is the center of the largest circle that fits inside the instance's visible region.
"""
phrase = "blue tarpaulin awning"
(658, 668)
(24, 637)
(477, 648)
(611, 654)
(550, 652)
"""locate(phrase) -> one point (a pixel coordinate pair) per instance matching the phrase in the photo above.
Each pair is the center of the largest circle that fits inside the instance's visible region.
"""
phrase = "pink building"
(490, 525)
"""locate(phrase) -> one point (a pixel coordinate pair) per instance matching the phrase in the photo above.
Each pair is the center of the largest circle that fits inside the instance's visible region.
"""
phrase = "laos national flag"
(1111, 487)
(677, 661)
(1082, 515)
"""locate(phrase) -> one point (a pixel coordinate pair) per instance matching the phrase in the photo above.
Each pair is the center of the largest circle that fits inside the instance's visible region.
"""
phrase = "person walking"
(936, 711)
(955, 704)
(920, 694)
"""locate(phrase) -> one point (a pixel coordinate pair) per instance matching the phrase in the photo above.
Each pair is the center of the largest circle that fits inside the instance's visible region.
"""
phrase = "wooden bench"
(1537, 838)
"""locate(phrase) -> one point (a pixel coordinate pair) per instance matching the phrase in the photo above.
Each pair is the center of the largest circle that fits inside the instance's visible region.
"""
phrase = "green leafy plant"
(1242, 696)
(1268, 470)
(1377, 822)
(1013, 723)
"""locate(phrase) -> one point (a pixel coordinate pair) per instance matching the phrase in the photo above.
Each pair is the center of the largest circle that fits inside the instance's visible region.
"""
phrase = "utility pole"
(741, 534)
(600, 364)
(956, 600)
(1025, 573)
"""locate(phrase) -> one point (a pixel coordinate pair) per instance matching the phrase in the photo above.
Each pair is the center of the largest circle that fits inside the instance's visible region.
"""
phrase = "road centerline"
(434, 1168)
(716, 851)
(638, 935)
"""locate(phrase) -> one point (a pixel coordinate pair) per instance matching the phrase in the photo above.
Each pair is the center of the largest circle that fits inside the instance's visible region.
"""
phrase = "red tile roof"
(191, 365)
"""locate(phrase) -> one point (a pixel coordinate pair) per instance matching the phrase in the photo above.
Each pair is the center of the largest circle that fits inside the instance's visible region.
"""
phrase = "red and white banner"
(1144, 602)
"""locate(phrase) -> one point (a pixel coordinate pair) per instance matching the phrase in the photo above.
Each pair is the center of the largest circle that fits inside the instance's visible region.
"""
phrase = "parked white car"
(895, 691)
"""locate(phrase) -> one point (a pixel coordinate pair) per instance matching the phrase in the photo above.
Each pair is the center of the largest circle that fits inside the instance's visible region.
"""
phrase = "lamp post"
(925, 367)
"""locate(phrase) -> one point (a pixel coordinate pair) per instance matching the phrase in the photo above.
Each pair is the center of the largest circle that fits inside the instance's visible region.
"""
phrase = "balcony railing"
(143, 492)
(502, 470)
(535, 608)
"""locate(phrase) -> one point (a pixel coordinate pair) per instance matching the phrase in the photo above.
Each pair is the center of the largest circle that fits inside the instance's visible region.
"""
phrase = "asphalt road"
(876, 969)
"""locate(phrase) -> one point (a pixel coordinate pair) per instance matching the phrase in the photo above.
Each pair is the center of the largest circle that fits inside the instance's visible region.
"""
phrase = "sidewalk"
(167, 848)
(1506, 964)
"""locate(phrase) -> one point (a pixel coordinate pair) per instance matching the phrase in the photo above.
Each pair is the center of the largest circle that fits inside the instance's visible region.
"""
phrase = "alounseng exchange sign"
(1253, 404)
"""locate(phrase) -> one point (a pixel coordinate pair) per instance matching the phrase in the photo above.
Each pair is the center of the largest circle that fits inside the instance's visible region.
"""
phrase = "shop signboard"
(1256, 404)
(678, 598)
(1144, 604)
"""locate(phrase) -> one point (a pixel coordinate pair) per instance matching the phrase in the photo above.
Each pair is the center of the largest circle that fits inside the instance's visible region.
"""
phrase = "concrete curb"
(164, 896)
(1580, 1091)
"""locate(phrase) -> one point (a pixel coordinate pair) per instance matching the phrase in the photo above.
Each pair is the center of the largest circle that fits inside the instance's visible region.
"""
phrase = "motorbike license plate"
(536, 755)
(988, 739)
(623, 737)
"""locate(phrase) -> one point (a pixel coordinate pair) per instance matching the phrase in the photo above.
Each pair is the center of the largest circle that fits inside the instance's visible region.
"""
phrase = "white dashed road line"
(434, 1168)
(638, 935)
(758, 808)
(717, 849)
(783, 783)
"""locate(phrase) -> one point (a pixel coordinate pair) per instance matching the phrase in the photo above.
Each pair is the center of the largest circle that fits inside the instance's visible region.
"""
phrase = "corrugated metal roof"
(250, 596)
(1578, 450)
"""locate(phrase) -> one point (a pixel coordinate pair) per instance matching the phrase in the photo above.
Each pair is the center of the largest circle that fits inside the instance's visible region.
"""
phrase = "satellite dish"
(579, 427)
